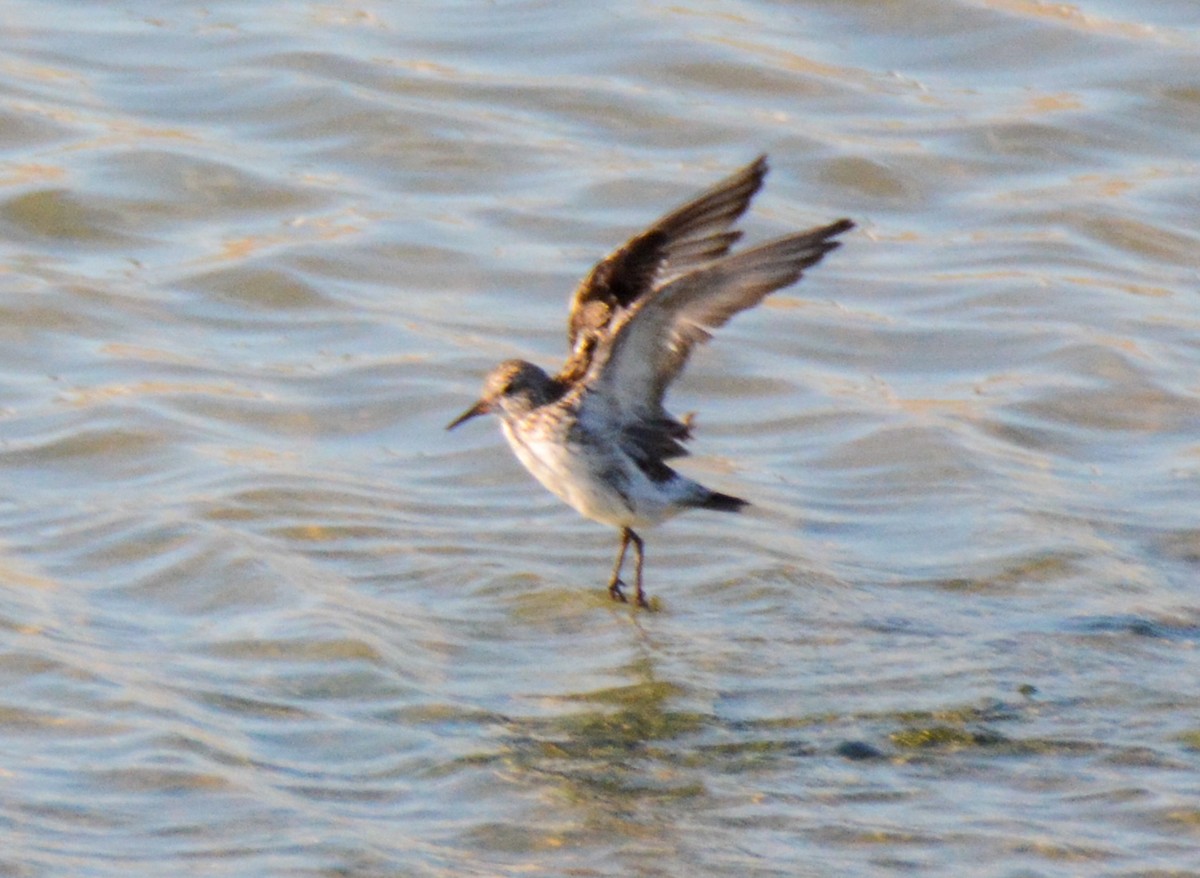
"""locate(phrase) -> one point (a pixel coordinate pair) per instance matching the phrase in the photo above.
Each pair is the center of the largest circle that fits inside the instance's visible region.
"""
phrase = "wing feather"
(694, 234)
(651, 343)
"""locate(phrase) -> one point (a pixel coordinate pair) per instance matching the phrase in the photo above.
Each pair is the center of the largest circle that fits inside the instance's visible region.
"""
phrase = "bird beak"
(480, 408)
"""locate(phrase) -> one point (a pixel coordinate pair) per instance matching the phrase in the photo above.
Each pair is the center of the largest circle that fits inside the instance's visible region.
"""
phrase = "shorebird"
(597, 435)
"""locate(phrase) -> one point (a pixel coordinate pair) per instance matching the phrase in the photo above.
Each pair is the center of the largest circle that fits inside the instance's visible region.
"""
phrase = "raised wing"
(685, 239)
(651, 343)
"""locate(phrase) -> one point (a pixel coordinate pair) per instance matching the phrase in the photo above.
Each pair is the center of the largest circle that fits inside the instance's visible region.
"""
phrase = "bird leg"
(641, 557)
(615, 583)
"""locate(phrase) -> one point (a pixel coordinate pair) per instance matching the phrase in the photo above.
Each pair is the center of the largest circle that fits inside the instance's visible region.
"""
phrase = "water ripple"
(261, 614)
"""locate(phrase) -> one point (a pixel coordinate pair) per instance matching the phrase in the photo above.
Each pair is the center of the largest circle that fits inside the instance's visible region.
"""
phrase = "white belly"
(578, 479)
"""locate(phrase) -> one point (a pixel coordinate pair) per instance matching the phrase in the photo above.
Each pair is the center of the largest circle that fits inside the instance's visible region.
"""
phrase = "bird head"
(513, 388)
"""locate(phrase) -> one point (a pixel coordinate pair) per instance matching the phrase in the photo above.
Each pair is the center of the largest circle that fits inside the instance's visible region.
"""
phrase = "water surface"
(262, 616)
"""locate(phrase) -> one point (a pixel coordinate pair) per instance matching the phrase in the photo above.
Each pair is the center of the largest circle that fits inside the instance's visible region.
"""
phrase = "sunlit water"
(262, 616)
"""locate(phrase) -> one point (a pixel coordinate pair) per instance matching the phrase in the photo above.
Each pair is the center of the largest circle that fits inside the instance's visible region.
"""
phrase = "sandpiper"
(597, 435)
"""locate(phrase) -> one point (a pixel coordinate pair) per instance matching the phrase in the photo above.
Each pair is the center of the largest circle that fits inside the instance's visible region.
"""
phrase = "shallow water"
(262, 616)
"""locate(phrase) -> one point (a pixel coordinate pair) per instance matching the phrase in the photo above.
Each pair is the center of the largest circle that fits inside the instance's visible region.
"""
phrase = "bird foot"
(640, 600)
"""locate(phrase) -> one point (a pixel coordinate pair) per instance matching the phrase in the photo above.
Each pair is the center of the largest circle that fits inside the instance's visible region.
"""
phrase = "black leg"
(614, 583)
(641, 557)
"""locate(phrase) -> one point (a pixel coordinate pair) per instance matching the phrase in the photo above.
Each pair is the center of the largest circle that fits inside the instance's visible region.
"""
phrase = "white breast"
(577, 476)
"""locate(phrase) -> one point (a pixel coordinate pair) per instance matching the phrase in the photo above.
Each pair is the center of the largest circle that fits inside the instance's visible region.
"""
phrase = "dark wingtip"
(826, 234)
(758, 170)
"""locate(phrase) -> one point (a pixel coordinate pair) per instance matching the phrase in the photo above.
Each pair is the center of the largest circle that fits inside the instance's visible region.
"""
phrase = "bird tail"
(722, 502)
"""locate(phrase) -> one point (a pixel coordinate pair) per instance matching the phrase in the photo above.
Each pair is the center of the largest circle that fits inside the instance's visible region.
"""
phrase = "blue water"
(260, 615)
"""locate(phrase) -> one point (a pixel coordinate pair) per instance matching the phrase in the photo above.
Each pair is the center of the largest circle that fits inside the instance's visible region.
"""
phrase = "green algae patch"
(944, 736)
(1190, 740)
